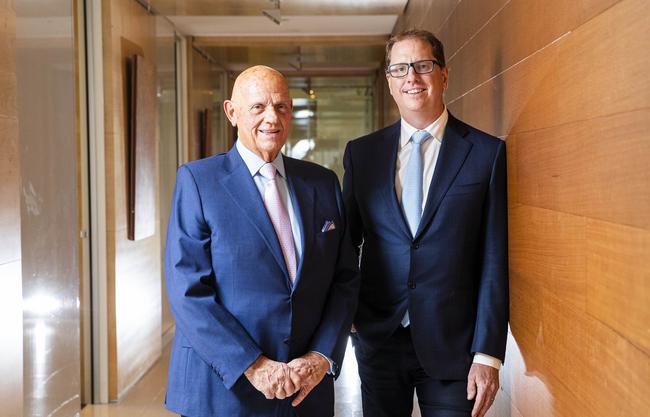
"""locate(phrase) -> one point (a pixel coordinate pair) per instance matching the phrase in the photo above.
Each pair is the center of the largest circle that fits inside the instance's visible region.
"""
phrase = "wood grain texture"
(604, 371)
(11, 311)
(425, 14)
(547, 248)
(521, 28)
(466, 22)
(9, 190)
(596, 168)
(8, 97)
(594, 71)
(618, 279)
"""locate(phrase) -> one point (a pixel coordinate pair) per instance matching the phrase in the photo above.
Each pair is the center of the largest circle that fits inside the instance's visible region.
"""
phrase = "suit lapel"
(304, 204)
(389, 159)
(453, 151)
(242, 189)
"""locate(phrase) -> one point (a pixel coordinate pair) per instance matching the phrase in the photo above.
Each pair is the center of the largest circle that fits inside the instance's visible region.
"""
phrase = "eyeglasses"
(420, 67)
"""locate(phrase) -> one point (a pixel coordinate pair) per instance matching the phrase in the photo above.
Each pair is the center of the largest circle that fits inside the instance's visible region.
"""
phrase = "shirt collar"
(254, 162)
(436, 129)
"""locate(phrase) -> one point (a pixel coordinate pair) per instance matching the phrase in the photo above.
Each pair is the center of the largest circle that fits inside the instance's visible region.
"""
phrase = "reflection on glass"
(45, 76)
(327, 113)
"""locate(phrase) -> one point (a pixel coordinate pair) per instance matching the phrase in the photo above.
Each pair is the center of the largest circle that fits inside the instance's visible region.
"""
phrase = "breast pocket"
(460, 189)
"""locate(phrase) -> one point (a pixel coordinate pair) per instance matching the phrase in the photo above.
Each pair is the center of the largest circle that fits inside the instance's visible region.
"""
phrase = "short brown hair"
(424, 35)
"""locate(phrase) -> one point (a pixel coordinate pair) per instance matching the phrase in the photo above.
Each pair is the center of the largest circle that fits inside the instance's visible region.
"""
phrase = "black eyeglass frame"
(412, 65)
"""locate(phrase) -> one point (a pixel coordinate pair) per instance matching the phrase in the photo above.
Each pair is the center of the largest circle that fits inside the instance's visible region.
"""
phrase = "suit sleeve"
(214, 334)
(331, 336)
(491, 329)
(355, 224)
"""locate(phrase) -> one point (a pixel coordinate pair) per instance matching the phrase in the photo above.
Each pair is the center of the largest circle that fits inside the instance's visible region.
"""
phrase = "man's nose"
(411, 74)
(271, 114)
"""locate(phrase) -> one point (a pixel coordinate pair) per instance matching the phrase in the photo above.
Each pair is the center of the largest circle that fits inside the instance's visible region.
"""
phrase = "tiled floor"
(146, 398)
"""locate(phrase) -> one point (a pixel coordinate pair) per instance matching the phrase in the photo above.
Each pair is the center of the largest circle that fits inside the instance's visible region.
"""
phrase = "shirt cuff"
(488, 360)
(331, 362)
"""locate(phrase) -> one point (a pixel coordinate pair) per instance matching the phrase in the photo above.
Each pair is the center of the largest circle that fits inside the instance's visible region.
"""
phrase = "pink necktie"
(279, 217)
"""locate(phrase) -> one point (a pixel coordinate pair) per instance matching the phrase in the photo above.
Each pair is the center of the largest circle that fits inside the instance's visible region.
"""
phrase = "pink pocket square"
(328, 225)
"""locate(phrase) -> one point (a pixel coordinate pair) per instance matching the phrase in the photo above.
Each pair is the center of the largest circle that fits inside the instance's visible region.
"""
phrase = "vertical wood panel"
(11, 320)
(9, 190)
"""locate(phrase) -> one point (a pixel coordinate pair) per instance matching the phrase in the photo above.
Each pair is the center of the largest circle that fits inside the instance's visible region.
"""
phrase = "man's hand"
(271, 378)
(482, 383)
(306, 372)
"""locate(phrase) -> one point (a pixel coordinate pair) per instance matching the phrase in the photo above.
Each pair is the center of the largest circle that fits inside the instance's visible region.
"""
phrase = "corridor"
(84, 313)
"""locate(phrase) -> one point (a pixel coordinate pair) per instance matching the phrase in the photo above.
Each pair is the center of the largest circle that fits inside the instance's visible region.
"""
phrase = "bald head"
(260, 107)
(255, 77)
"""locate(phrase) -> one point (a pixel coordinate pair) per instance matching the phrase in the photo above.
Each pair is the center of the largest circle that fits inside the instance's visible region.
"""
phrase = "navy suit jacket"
(230, 292)
(453, 274)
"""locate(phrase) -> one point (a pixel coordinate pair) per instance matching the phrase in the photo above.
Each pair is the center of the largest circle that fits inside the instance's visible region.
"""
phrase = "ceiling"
(288, 7)
(313, 36)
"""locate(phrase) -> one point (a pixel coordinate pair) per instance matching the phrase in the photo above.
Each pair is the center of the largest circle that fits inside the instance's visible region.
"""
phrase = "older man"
(427, 198)
(260, 270)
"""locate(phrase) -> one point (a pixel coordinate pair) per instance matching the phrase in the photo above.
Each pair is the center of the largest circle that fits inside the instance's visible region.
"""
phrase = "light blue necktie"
(412, 186)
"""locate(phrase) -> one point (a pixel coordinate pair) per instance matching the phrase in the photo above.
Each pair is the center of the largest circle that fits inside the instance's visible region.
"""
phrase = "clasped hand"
(281, 380)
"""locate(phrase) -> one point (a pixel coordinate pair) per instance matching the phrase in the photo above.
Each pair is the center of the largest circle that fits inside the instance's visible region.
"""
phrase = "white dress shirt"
(430, 151)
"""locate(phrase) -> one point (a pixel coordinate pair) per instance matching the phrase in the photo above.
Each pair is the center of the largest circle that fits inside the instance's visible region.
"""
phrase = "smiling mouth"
(269, 131)
(414, 91)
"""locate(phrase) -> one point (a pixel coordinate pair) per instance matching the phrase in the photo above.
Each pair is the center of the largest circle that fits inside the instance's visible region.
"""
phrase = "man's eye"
(257, 107)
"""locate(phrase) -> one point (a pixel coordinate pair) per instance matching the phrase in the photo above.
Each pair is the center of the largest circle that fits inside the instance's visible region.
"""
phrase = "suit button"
(415, 246)
(286, 341)
(411, 284)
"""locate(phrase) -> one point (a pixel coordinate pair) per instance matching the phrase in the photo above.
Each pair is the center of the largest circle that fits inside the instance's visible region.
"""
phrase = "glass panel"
(328, 112)
(45, 63)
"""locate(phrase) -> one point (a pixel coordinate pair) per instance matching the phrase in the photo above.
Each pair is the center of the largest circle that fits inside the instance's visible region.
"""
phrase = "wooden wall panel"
(597, 70)
(604, 371)
(566, 85)
(11, 312)
(618, 284)
(610, 154)
(548, 247)
(8, 96)
(520, 29)
(9, 190)
(466, 22)
(134, 267)
(425, 14)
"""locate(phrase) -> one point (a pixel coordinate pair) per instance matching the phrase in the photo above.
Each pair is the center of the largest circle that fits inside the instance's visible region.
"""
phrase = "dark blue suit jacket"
(230, 293)
(453, 274)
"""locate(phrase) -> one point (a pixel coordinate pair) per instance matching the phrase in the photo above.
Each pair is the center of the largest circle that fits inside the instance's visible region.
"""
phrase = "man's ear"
(231, 114)
(445, 78)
